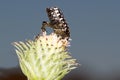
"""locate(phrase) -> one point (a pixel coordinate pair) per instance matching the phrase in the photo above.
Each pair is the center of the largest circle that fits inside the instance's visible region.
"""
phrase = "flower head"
(45, 58)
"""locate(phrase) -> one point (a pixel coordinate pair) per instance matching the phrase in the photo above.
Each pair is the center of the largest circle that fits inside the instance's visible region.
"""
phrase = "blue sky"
(94, 26)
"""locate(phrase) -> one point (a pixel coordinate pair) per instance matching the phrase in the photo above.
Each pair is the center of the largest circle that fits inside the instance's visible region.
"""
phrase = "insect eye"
(44, 22)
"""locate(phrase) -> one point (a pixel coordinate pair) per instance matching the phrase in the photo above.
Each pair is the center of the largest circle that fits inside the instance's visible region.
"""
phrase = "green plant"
(45, 58)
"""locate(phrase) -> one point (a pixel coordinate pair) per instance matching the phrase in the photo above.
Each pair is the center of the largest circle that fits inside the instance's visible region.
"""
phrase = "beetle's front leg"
(43, 30)
(44, 25)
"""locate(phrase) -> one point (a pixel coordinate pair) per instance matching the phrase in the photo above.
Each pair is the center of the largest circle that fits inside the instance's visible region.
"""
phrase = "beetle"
(57, 22)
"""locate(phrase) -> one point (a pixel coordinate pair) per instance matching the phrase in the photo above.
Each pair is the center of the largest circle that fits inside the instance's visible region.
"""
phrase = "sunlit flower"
(45, 58)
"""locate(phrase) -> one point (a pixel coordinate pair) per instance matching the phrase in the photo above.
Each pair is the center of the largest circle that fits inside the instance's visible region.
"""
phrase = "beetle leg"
(44, 25)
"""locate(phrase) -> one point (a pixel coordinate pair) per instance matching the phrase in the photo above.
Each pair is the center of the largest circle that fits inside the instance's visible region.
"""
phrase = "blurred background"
(95, 34)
